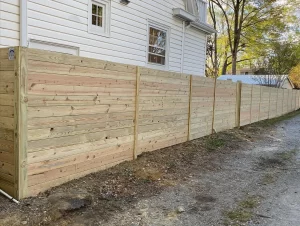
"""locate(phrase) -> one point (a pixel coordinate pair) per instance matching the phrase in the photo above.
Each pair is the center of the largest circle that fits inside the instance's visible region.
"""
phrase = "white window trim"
(106, 22)
(163, 27)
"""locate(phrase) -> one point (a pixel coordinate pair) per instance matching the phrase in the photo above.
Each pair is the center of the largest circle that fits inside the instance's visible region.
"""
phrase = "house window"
(157, 45)
(99, 17)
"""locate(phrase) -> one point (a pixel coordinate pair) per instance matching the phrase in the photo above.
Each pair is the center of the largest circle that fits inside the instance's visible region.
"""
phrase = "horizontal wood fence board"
(7, 123)
(35, 190)
(273, 102)
(59, 152)
(255, 103)
(80, 116)
(76, 120)
(246, 99)
(280, 100)
(63, 117)
(60, 58)
(201, 107)
(264, 103)
(38, 67)
(225, 106)
(163, 86)
(7, 77)
(6, 87)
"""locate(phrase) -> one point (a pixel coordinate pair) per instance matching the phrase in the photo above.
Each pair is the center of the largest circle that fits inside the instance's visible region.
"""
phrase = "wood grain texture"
(246, 104)
(63, 117)
(80, 116)
(202, 100)
(163, 96)
(7, 123)
(225, 109)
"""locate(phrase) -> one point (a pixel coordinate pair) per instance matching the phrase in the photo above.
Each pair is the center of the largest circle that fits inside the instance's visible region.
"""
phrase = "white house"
(282, 81)
(164, 34)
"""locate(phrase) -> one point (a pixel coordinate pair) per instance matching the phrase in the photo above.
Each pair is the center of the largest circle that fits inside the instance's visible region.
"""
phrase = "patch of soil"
(265, 163)
(205, 199)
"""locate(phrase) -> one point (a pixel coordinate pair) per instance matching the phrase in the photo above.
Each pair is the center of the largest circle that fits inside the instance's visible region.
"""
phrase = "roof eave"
(208, 29)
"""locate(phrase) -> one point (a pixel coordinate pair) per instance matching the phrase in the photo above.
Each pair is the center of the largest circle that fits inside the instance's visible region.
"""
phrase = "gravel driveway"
(249, 176)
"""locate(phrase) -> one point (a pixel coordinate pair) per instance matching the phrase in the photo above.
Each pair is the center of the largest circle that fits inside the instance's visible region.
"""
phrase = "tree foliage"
(295, 76)
(247, 28)
(277, 64)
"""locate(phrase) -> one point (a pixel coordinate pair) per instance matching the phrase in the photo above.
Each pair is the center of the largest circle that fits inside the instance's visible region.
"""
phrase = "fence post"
(136, 118)
(282, 113)
(214, 107)
(190, 108)
(269, 102)
(251, 104)
(277, 89)
(238, 104)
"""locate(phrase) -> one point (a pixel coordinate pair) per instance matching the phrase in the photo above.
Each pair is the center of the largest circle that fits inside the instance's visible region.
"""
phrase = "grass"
(243, 213)
(213, 143)
(288, 155)
(250, 202)
(268, 179)
(239, 215)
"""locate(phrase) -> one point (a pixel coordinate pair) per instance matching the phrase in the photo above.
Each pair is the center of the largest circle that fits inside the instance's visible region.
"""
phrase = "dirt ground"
(249, 176)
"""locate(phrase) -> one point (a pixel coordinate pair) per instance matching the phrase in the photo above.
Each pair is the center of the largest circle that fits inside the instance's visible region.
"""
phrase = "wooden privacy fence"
(64, 116)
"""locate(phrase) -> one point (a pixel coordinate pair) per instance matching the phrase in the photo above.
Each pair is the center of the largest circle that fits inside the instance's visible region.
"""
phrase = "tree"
(275, 67)
(295, 76)
(212, 66)
(247, 21)
(280, 59)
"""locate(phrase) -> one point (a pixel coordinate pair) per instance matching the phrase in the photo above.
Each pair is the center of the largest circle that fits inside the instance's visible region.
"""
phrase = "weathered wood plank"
(43, 112)
(60, 58)
(6, 100)
(63, 130)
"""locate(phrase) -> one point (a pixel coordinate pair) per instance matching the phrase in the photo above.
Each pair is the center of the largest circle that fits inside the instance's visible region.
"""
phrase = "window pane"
(94, 9)
(152, 39)
(157, 37)
(156, 50)
(94, 20)
(100, 9)
(100, 21)
(156, 59)
(157, 46)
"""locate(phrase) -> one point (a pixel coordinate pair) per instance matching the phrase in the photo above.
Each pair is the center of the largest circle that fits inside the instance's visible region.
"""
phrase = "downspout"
(182, 45)
(23, 23)
(8, 196)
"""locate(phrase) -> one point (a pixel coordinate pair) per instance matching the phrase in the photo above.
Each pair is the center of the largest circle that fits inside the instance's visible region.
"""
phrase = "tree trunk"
(224, 68)
(216, 66)
(234, 59)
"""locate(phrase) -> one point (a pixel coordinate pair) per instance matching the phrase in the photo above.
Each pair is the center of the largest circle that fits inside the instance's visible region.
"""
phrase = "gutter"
(203, 27)
(23, 23)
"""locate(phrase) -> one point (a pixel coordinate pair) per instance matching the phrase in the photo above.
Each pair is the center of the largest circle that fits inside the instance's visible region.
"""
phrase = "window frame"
(105, 29)
(162, 27)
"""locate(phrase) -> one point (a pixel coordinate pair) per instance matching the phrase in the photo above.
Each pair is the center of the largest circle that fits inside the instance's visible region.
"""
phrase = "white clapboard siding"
(65, 23)
(194, 56)
(9, 23)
